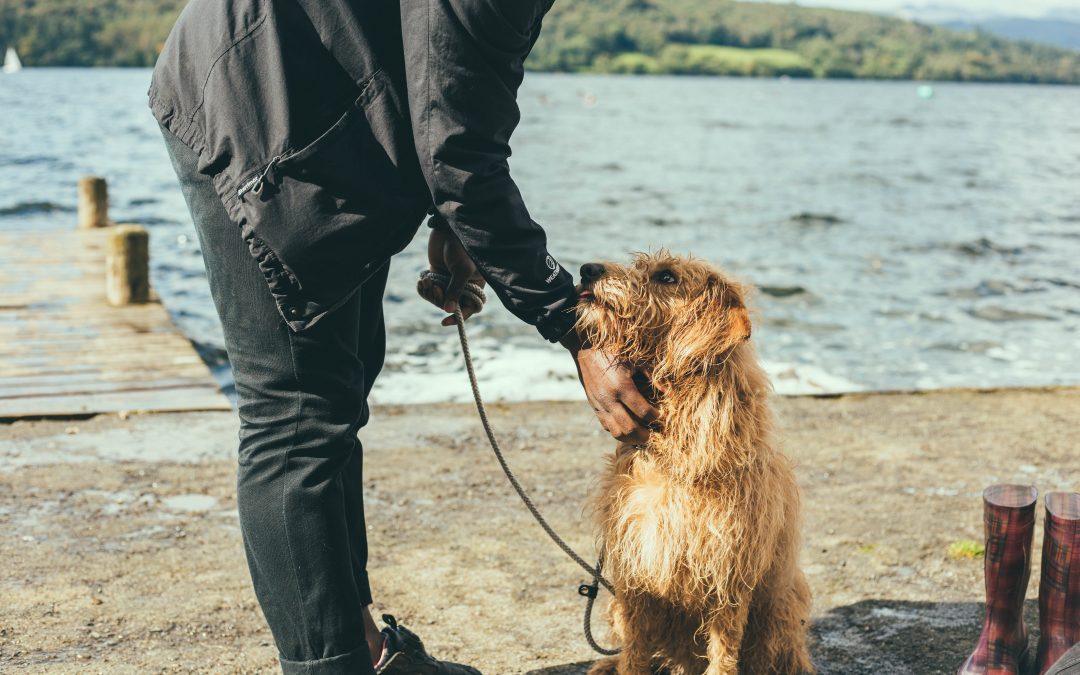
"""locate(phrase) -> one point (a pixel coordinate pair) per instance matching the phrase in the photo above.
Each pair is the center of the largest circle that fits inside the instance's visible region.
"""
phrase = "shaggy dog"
(700, 527)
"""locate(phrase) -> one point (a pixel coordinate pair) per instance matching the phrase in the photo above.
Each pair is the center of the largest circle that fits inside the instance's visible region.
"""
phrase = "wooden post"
(93, 202)
(127, 277)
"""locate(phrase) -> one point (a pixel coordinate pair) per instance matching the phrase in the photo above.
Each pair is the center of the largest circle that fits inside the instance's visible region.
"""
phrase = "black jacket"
(331, 128)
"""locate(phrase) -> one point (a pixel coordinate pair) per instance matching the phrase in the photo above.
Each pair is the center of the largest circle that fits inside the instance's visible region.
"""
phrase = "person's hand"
(447, 256)
(622, 409)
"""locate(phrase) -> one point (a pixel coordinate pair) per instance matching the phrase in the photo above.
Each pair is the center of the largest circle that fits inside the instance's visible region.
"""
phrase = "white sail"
(12, 64)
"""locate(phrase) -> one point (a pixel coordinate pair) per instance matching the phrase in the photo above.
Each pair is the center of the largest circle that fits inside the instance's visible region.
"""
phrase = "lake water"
(897, 241)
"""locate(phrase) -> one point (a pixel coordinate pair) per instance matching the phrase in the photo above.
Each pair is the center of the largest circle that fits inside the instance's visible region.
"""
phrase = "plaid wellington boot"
(1009, 519)
(404, 654)
(1059, 589)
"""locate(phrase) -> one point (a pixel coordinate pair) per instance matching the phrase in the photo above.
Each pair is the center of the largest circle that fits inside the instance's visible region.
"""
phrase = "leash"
(589, 591)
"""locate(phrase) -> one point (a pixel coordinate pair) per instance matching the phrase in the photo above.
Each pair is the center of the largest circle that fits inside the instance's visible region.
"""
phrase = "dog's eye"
(665, 277)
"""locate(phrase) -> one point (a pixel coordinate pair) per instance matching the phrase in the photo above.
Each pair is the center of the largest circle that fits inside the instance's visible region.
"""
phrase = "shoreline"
(679, 75)
(124, 550)
(398, 408)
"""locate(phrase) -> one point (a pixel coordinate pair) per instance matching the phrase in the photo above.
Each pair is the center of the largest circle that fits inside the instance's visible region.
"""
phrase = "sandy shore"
(121, 549)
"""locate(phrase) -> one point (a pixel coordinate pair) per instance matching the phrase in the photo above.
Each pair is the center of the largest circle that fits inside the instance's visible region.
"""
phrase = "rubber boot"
(1059, 589)
(1009, 520)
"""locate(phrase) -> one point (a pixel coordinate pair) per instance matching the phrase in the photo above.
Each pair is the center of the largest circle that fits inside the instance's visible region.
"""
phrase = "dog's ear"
(715, 324)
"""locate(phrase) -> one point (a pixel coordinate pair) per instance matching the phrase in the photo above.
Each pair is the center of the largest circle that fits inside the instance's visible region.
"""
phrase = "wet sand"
(121, 549)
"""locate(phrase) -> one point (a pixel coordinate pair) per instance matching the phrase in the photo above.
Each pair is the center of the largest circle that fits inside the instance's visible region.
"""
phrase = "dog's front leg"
(635, 659)
(608, 666)
(631, 661)
(629, 622)
(725, 639)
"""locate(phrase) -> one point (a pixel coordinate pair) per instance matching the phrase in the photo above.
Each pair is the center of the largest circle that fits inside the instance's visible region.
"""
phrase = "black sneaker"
(404, 654)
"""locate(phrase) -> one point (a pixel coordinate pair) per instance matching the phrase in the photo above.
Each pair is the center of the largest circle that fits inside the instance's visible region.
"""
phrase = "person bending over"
(311, 139)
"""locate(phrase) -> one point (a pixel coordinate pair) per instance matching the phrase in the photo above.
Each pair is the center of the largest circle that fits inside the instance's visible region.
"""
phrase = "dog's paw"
(608, 666)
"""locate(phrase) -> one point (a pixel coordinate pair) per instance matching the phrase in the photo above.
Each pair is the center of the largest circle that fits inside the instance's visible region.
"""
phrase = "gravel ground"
(121, 549)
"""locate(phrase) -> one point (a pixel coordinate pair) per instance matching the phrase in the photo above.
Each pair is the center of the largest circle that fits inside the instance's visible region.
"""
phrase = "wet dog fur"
(700, 527)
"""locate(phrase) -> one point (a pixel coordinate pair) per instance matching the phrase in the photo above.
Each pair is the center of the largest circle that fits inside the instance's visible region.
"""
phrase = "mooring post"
(93, 202)
(127, 264)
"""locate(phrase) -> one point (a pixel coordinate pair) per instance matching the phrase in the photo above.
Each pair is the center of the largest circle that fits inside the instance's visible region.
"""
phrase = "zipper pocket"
(258, 181)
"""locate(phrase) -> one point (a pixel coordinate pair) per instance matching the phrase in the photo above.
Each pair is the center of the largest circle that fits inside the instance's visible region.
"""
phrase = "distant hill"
(1056, 32)
(706, 36)
(719, 37)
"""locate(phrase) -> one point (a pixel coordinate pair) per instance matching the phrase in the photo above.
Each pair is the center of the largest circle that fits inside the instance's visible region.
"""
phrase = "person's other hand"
(621, 408)
(447, 256)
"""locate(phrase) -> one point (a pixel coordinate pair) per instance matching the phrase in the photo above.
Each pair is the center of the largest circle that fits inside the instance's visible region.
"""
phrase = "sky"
(1026, 8)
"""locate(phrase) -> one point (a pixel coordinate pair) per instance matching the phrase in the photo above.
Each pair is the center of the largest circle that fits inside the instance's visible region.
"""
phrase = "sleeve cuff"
(437, 222)
(560, 322)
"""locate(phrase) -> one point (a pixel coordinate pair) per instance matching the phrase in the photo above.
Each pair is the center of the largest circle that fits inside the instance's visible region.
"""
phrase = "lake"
(897, 241)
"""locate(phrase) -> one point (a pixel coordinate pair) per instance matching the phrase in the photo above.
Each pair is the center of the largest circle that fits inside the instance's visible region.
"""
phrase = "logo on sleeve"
(554, 267)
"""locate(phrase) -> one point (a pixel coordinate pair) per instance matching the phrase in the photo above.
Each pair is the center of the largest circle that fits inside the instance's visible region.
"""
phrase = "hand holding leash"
(433, 287)
(460, 286)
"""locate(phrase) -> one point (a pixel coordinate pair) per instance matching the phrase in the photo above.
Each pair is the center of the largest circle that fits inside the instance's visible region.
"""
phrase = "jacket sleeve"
(464, 63)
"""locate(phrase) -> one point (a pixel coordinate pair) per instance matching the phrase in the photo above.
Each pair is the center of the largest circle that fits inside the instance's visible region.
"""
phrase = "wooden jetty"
(80, 330)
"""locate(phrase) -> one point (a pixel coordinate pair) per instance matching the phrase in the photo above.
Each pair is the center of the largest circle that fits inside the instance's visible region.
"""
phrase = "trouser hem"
(356, 662)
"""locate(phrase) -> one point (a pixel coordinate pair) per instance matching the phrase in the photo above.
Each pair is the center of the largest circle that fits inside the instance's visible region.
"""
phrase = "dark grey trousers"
(302, 397)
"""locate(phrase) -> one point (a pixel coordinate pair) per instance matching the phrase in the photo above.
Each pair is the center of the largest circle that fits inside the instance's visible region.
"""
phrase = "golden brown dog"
(700, 527)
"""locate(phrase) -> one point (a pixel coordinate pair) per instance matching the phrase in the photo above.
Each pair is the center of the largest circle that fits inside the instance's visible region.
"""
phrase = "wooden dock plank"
(93, 380)
(197, 397)
(65, 351)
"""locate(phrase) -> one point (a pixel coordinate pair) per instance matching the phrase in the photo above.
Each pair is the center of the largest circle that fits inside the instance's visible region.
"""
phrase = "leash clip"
(589, 591)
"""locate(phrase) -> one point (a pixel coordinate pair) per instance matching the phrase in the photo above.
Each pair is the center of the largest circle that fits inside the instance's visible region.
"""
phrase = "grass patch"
(632, 63)
(775, 58)
(683, 59)
(966, 549)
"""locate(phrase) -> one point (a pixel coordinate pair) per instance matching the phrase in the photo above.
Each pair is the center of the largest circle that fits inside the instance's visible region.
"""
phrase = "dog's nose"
(591, 271)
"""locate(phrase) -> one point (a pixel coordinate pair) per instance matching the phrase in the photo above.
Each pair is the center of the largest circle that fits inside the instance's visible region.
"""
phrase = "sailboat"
(12, 64)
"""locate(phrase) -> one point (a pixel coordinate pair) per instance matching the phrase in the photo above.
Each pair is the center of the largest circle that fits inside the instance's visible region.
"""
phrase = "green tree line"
(705, 37)
(737, 38)
(87, 32)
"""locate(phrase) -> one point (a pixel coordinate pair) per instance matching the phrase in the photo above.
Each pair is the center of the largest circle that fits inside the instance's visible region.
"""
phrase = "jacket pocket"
(335, 210)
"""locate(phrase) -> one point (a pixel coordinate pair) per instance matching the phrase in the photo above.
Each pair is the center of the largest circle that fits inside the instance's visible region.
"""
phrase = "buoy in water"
(925, 91)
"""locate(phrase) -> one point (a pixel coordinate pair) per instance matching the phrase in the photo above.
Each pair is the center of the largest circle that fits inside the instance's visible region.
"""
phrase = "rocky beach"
(122, 549)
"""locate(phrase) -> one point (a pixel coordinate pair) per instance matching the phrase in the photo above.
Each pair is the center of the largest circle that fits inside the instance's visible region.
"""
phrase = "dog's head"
(672, 317)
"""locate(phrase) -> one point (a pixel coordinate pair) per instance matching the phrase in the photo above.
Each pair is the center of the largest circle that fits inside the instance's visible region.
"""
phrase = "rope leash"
(473, 292)
(588, 591)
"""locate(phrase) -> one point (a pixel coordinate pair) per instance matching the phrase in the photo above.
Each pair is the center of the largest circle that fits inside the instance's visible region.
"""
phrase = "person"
(311, 139)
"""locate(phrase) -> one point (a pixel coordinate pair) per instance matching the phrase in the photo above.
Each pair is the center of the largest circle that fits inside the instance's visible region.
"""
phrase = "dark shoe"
(1059, 589)
(1068, 664)
(404, 654)
(1009, 520)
